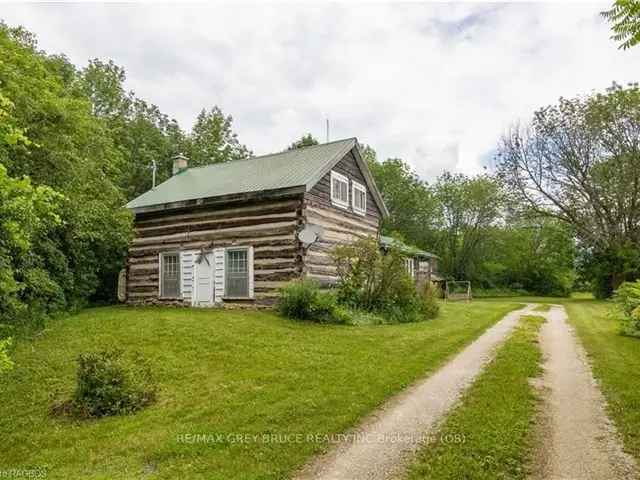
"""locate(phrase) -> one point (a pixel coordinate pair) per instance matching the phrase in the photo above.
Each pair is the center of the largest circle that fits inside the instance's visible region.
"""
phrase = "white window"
(237, 273)
(170, 275)
(339, 190)
(359, 196)
(409, 266)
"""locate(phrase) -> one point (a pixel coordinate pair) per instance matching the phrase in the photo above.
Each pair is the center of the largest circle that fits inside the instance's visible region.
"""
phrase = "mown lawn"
(616, 364)
(488, 436)
(222, 374)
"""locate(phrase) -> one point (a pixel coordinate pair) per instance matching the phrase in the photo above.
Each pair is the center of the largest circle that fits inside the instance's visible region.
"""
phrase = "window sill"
(226, 299)
(344, 206)
(360, 212)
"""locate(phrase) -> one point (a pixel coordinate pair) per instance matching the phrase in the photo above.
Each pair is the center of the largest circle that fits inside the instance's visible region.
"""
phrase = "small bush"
(429, 298)
(378, 282)
(627, 297)
(108, 383)
(303, 300)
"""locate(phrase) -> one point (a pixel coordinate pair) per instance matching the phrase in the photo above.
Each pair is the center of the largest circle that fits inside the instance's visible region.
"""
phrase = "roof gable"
(302, 167)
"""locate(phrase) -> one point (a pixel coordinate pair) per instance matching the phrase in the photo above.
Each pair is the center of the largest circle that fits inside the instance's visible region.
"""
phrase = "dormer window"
(339, 190)
(359, 197)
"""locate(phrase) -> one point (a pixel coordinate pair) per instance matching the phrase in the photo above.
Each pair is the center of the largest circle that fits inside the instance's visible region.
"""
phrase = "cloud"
(434, 84)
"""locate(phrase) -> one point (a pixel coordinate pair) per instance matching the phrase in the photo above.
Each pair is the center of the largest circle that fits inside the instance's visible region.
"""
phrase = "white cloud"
(434, 84)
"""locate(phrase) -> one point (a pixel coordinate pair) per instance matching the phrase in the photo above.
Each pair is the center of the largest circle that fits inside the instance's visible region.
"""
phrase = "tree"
(535, 254)
(27, 215)
(413, 210)
(307, 140)
(71, 151)
(212, 140)
(579, 162)
(139, 130)
(470, 207)
(624, 15)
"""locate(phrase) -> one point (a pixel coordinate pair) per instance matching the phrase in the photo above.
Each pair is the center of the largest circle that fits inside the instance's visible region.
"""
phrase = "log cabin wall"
(268, 225)
(341, 225)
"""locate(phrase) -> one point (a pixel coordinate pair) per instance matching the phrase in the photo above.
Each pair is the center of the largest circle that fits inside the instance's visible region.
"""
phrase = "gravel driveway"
(575, 439)
(383, 444)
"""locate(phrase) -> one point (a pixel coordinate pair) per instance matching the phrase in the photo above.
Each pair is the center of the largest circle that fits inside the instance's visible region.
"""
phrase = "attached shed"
(421, 265)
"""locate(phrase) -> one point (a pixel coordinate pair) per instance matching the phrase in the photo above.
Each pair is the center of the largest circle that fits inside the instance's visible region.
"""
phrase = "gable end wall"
(340, 225)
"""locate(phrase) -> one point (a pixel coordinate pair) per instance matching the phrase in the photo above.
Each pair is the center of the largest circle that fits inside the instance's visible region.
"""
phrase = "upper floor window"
(359, 198)
(339, 190)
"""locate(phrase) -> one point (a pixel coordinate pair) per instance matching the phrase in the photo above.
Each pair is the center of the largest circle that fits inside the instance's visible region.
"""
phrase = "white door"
(204, 282)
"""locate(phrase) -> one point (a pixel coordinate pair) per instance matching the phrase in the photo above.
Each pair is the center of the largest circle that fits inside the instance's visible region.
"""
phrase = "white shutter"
(250, 270)
(218, 280)
(187, 259)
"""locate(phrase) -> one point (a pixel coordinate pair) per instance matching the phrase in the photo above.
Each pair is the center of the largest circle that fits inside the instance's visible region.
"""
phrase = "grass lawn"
(221, 373)
(488, 435)
(616, 364)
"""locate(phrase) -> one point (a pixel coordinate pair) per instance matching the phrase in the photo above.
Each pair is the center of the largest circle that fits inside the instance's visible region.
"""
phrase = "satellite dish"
(307, 236)
(319, 231)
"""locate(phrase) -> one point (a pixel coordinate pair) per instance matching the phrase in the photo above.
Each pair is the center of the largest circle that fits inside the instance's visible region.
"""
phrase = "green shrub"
(627, 297)
(377, 282)
(303, 300)
(108, 383)
(429, 297)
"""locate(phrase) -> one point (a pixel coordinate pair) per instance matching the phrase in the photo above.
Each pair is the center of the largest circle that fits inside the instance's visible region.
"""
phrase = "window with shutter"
(237, 273)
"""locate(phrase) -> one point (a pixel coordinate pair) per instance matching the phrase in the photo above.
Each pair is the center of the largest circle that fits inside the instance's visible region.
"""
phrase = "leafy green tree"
(212, 139)
(535, 254)
(470, 207)
(624, 15)
(579, 162)
(139, 130)
(72, 152)
(413, 210)
(307, 140)
(27, 215)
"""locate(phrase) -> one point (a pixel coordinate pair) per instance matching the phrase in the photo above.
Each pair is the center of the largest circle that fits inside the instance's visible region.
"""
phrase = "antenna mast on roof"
(154, 168)
(327, 130)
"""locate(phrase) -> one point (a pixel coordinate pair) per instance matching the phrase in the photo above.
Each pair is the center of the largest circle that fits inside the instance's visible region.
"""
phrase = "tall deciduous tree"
(212, 139)
(624, 16)
(140, 131)
(579, 161)
(72, 152)
(471, 206)
(413, 210)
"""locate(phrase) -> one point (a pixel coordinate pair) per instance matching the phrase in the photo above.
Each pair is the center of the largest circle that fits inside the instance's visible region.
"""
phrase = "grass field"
(616, 364)
(488, 436)
(222, 374)
(615, 360)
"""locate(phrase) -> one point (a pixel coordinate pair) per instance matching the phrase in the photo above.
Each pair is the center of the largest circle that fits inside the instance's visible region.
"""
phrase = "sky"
(434, 84)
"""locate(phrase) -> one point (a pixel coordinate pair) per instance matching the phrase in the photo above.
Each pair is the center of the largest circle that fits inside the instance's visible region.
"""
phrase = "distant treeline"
(75, 146)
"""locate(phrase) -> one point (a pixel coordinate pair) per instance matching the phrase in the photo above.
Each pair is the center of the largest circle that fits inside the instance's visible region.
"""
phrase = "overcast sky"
(434, 84)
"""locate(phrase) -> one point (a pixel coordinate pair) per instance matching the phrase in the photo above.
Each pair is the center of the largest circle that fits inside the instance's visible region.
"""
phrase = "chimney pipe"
(180, 163)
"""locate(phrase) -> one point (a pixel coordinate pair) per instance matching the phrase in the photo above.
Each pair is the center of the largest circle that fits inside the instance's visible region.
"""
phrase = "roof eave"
(215, 200)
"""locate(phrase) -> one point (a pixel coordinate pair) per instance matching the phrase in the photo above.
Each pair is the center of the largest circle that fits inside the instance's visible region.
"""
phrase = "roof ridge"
(307, 147)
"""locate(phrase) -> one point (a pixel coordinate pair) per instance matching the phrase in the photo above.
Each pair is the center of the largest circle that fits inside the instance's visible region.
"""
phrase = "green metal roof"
(291, 168)
(386, 242)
